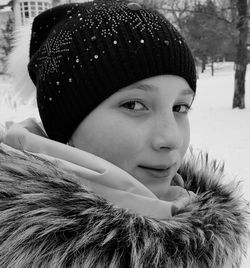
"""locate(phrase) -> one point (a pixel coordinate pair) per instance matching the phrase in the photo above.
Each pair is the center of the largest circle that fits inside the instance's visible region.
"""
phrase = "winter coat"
(49, 219)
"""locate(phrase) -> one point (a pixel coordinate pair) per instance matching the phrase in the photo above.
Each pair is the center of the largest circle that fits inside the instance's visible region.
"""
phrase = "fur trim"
(49, 220)
(24, 88)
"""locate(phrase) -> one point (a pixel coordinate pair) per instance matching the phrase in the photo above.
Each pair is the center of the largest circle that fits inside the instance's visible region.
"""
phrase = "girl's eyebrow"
(147, 87)
(144, 87)
(188, 91)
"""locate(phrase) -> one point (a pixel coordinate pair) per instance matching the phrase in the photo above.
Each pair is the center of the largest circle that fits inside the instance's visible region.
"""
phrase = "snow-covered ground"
(220, 130)
(215, 127)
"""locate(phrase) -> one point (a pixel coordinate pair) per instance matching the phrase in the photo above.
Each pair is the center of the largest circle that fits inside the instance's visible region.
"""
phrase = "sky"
(216, 128)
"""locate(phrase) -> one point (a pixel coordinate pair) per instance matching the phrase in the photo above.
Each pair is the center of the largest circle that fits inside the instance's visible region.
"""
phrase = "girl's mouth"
(157, 171)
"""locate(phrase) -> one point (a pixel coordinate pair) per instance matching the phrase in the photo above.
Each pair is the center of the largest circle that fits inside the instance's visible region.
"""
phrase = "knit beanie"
(80, 54)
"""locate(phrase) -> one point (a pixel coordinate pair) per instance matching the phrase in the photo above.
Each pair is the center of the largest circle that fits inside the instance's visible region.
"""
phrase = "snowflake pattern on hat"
(80, 54)
(118, 14)
(51, 53)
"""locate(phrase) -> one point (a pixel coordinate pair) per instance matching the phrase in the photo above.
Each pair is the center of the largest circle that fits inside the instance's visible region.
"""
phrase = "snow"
(220, 130)
(4, 2)
(10, 107)
(215, 127)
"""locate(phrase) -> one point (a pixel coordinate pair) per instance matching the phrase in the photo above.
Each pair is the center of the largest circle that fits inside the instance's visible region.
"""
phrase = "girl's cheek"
(186, 138)
(121, 144)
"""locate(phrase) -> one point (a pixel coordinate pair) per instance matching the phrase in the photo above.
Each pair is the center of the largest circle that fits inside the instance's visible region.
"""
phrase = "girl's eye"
(181, 108)
(134, 105)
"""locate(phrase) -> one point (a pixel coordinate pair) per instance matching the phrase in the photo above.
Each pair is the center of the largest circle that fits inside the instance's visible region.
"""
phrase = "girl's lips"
(157, 172)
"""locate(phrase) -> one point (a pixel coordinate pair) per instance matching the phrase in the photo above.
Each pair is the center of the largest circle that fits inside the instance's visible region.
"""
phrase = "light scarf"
(99, 175)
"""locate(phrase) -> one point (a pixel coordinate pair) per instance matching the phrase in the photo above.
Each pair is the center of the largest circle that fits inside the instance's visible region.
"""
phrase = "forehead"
(161, 82)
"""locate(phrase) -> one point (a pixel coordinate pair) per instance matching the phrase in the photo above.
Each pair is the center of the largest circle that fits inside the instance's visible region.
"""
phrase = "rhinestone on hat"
(51, 53)
(109, 18)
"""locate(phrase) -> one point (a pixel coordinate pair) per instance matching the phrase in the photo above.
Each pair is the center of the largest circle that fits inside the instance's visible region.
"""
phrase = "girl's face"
(142, 128)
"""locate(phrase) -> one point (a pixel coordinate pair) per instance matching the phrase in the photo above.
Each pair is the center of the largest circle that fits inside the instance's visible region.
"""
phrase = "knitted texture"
(80, 54)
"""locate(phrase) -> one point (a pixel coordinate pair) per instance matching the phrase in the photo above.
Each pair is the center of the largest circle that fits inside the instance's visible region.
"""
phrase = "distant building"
(25, 10)
(5, 6)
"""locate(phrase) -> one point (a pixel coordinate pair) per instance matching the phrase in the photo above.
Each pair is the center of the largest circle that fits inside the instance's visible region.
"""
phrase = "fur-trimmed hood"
(48, 219)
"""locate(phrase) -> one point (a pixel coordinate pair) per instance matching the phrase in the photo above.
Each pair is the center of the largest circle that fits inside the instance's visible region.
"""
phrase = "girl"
(106, 184)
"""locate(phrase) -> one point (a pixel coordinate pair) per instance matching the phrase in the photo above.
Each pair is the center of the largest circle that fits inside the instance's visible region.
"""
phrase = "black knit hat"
(80, 54)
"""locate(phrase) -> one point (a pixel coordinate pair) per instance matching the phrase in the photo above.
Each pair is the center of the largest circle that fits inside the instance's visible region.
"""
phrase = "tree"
(208, 33)
(6, 31)
(177, 11)
(241, 55)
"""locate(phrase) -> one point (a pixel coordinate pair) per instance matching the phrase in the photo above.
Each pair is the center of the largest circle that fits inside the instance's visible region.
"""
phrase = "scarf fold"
(49, 219)
(101, 176)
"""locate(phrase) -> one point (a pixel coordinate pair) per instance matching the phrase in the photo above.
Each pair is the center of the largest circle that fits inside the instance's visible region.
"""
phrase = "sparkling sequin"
(50, 56)
(108, 20)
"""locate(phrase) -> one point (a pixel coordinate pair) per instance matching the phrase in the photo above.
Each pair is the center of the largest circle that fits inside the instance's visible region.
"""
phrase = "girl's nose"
(167, 134)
